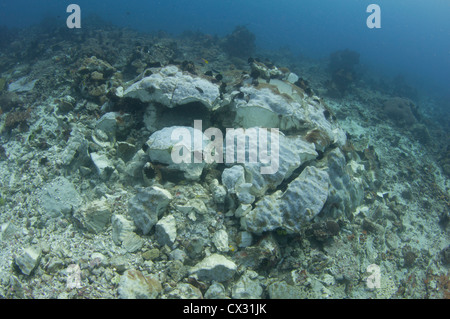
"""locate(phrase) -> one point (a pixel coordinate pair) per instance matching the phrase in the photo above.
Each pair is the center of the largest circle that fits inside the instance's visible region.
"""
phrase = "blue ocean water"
(413, 39)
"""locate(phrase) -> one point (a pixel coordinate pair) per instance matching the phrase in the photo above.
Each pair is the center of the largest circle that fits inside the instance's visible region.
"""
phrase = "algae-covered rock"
(132, 242)
(247, 287)
(121, 227)
(282, 290)
(166, 230)
(185, 291)
(28, 259)
(2, 84)
(75, 151)
(59, 197)
(94, 216)
(134, 285)
(215, 267)
(147, 206)
(220, 240)
(400, 110)
(9, 101)
(102, 163)
(93, 64)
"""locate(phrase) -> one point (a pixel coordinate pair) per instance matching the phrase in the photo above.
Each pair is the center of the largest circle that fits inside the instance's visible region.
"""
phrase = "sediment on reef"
(90, 190)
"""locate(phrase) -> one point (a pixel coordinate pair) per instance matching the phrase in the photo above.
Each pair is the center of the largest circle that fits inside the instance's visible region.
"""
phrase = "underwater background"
(93, 204)
(413, 39)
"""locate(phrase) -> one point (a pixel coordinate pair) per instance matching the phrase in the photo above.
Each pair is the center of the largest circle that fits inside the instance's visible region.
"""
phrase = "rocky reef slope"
(285, 192)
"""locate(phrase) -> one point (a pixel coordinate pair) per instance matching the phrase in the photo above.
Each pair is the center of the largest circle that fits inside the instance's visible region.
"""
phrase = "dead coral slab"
(171, 87)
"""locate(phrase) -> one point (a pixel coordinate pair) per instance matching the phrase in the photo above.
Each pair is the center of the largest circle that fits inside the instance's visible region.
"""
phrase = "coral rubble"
(283, 193)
